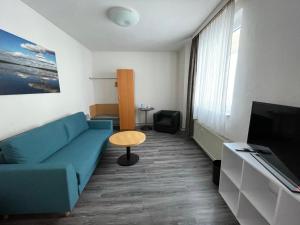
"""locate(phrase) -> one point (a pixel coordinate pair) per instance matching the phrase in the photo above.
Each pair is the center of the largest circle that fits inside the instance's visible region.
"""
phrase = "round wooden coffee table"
(128, 139)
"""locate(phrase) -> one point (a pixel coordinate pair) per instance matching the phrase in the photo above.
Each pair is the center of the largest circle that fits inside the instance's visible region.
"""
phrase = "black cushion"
(165, 122)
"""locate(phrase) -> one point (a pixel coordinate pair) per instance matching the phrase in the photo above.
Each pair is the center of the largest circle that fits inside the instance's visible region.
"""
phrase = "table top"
(146, 109)
(127, 138)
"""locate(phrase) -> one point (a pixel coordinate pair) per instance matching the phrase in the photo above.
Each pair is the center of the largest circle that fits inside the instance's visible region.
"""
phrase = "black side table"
(146, 110)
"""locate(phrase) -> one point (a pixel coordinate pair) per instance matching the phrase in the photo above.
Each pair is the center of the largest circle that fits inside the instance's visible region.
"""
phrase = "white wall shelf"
(102, 78)
(288, 211)
(229, 192)
(260, 192)
(252, 193)
(248, 214)
(232, 167)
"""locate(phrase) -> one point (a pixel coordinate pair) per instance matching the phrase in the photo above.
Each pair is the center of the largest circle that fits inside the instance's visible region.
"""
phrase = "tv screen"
(274, 133)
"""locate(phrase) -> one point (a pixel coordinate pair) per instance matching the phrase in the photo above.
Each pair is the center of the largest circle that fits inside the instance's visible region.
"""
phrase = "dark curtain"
(191, 83)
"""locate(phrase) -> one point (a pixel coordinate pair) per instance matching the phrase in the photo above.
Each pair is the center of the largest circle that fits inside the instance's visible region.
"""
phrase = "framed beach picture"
(25, 67)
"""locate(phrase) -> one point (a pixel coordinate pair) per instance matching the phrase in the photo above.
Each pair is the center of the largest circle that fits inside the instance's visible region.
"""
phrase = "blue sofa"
(44, 170)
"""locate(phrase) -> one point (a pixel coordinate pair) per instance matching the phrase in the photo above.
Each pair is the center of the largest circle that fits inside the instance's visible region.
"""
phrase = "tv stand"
(252, 193)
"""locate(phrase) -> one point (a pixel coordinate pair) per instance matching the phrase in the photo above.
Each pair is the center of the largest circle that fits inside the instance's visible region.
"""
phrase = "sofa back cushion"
(35, 145)
(75, 125)
(2, 159)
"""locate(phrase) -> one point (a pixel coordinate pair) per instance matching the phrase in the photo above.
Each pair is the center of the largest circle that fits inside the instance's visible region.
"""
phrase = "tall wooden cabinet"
(125, 83)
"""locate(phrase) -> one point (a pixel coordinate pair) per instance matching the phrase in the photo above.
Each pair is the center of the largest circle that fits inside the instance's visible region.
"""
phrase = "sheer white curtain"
(213, 70)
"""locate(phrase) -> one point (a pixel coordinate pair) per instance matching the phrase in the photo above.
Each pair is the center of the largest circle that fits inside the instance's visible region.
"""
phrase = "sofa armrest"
(101, 124)
(37, 188)
(157, 116)
(176, 118)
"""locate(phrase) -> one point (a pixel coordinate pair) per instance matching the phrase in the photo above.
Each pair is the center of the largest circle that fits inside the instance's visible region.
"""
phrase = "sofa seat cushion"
(82, 152)
(166, 121)
(35, 145)
(75, 125)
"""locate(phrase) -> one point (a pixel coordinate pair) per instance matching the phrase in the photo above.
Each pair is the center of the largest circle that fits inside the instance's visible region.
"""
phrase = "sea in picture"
(25, 67)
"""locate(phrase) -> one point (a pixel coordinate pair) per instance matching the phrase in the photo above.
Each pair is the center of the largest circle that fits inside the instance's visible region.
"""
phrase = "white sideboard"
(252, 193)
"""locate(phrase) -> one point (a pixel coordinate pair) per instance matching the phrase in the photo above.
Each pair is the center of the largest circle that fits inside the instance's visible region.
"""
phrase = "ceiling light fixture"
(124, 17)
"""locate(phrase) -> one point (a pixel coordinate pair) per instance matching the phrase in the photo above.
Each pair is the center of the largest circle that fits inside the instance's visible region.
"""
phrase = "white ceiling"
(163, 26)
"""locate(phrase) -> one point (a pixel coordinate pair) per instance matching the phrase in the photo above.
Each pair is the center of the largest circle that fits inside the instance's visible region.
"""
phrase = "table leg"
(128, 159)
(128, 153)
(146, 126)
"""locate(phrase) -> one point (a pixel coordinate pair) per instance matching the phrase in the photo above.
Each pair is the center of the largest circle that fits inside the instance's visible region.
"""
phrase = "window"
(216, 67)
(233, 59)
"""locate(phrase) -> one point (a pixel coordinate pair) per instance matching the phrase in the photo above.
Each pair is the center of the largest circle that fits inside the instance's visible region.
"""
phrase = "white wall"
(22, 112)
(268, 68)
(155, 78)
(269, 60)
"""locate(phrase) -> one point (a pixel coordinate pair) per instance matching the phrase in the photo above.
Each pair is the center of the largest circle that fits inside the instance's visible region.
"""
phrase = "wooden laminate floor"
(171, 184)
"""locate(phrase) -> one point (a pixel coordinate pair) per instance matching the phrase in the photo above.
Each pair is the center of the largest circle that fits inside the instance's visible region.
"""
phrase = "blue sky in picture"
(21, 47)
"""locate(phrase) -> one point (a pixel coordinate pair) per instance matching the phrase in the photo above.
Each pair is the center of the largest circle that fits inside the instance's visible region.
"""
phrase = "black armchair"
(166, 121)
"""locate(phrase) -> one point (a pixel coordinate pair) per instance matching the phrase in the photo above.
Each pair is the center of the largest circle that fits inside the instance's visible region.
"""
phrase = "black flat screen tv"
(274, 137)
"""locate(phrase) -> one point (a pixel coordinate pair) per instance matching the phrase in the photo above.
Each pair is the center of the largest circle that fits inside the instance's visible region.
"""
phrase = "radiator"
(209, 141)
